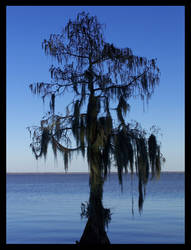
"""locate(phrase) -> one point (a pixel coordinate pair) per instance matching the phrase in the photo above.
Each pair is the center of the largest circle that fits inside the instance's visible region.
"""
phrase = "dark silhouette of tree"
(102, 78)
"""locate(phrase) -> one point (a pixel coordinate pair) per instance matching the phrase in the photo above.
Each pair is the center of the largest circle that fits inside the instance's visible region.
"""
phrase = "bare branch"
(62, 148)
(124, 85)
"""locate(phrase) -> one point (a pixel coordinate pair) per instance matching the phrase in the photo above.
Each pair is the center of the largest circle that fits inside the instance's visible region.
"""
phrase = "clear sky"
(150, 31)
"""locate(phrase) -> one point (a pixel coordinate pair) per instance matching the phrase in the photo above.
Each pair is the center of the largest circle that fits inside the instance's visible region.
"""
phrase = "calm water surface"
(45, 208)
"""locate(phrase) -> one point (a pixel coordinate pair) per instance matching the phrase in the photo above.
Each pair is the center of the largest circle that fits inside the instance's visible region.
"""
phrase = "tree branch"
(122, 86)
(62, 148)
(71, 54)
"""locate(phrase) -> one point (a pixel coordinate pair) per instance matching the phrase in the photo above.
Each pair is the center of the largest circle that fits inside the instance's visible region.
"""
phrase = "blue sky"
(150, 31)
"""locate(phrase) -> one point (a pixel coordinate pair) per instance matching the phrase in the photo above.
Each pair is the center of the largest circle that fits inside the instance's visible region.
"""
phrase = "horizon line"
(75, 172)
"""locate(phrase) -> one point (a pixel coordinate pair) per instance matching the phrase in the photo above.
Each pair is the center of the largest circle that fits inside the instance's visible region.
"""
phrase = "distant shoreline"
(68, 173)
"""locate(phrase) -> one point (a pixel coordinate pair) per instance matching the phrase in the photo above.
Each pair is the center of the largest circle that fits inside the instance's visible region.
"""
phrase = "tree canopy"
(102, 79)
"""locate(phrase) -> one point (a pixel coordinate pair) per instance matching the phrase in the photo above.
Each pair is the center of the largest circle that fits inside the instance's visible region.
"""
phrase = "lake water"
(45, 209)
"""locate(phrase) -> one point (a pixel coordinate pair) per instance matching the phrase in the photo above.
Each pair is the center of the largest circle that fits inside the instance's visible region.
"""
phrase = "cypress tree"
(102, 78)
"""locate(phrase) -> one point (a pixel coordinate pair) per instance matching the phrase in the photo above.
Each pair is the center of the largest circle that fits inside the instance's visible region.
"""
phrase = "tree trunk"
(94, 232)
